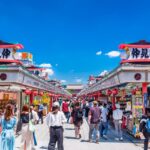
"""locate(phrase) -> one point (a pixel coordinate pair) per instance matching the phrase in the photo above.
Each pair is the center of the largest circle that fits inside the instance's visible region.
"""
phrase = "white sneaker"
(121, 139)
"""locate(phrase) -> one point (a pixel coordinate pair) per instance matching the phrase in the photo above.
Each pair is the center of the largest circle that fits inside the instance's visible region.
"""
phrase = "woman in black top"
(77, 115)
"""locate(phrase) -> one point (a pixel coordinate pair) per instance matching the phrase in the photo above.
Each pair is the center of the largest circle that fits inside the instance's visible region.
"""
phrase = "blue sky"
(70, 32)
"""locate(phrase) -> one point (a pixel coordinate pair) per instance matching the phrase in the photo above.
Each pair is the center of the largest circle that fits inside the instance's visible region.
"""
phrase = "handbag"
(71, 120)
(31, 126)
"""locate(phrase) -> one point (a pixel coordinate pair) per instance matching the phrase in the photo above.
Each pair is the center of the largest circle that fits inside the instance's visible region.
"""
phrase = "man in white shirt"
(34, 115)
(104, 121)
(55, 120)
(117, 116)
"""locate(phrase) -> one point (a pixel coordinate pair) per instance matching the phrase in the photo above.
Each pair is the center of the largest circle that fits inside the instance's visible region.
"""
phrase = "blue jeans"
(103, 128)
(67, 115)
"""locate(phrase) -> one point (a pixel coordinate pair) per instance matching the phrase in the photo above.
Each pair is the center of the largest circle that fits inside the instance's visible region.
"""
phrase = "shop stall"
(128, 84)
(19, 84)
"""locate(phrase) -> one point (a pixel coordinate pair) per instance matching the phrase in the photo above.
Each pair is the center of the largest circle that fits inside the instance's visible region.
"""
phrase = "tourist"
(94, 120)
(87, 109)
(145, 128)
(1, 116)
(65, 109)
(26, 136)
(77, 115)
(117, 116)
(40, 112)
(104, 121)
(55, 120)
(29, 118)
(8, 123)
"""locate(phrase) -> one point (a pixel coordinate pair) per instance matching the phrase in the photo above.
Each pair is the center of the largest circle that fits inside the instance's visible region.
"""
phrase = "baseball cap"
(55, 104)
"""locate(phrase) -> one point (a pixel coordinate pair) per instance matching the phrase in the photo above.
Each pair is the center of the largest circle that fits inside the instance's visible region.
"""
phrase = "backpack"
(148, 125)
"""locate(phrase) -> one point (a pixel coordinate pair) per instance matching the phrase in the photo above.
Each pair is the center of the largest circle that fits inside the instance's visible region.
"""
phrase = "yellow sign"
(45, 98)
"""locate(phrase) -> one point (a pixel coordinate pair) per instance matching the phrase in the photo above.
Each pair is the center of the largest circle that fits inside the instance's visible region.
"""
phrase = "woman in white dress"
(27, 142)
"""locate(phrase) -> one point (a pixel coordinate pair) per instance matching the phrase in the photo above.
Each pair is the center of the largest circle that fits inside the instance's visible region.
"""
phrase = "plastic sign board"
(7, 53)
(24, 56)
(137, 54)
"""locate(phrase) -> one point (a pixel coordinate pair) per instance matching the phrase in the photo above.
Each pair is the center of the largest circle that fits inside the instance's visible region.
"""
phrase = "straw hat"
(95, 102)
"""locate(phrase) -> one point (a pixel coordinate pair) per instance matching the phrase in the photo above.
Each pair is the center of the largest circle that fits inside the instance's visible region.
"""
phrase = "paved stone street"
(73, 144)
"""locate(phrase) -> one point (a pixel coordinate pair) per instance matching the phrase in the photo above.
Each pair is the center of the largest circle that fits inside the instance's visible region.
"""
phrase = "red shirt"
(65, 107)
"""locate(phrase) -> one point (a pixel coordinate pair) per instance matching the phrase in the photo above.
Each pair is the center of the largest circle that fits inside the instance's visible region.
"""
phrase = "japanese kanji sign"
(6, 53)
(138, 53)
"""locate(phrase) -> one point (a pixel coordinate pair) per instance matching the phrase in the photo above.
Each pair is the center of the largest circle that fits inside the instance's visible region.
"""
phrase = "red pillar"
(31, 98)
(113, 102)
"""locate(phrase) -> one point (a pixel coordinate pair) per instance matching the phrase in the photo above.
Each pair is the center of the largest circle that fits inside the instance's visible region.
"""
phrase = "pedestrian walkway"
(70, 143)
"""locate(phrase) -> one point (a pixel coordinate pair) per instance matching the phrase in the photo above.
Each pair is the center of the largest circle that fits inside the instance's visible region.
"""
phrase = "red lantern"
(109, 92)
(50, 94)
(27, 92)
(115, 91)
(35, 93)
(100, 93)
(41, 93)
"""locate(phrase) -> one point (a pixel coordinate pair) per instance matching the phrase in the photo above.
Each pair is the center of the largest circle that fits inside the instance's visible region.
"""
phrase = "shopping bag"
(34, 138)
(31, 126)
(71, 120)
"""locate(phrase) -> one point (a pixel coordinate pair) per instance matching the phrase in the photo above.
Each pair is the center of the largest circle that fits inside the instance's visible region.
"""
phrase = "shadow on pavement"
(43, 147)
(69, 128)
(70, 138)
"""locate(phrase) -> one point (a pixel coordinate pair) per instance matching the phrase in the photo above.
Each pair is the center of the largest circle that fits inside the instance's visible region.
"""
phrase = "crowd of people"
(98, 116)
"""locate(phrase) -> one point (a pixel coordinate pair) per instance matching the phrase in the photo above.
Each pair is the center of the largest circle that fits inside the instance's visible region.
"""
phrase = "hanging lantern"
(35, 93)
(41, 93)
(100, 93)
(109, 92)
(115, 91)
(27, 92)
(50, 94)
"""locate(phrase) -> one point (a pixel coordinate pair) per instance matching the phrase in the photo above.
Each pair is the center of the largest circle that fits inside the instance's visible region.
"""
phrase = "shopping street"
(70, 143)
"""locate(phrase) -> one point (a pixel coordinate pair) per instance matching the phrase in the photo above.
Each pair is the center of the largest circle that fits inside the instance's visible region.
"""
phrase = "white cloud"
(49, 71)
(103, 73)
(99, 53)
(78, 80)
(45, 65)
(113, 54)
(63, 81)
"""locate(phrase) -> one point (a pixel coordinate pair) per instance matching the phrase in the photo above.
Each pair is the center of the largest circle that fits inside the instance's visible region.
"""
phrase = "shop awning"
(11, 88)
(10, 45)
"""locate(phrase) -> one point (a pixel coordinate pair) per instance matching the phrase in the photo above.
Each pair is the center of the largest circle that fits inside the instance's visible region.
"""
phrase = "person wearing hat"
(117, 116)
(55, 120)
(94, 120)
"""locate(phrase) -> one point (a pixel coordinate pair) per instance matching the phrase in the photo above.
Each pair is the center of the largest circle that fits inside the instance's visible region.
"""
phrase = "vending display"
(137, 106)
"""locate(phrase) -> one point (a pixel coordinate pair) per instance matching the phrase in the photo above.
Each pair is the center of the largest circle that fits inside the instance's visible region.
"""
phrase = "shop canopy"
(139, 44)
(10, 45)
